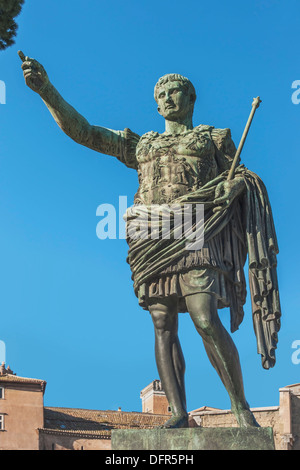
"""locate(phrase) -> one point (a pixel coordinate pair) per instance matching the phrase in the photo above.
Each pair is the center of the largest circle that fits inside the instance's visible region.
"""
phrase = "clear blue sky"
(68, 311)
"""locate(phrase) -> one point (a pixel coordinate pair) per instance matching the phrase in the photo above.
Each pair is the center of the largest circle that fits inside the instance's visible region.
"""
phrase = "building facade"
(26, 424)
(21, 410)
(284, 418)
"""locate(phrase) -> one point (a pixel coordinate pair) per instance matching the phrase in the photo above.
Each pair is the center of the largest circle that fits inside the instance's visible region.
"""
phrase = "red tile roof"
(96, 422)
(10, 378)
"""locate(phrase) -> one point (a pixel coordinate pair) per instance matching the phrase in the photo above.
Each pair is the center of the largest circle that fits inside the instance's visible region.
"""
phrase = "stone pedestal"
(193, 439)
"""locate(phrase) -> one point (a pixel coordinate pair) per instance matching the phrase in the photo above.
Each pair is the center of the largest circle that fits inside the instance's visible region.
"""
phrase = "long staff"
(255, 104)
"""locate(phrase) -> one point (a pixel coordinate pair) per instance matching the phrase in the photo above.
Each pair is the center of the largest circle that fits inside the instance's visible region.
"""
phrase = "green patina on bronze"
(190, 165)
(193, 439)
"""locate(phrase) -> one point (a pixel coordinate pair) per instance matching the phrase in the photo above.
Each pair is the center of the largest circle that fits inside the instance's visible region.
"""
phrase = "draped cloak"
(245, 227)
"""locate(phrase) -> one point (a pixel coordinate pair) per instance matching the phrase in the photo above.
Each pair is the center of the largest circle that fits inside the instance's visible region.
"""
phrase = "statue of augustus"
(189, 165)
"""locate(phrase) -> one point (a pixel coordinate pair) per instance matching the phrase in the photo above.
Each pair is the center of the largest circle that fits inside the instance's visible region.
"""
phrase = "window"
(1, 393)
(1, 422)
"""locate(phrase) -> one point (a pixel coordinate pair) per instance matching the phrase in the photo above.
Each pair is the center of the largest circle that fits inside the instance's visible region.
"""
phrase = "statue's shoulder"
(147, 138)
(225, 147)
(218, 135)
(150, 135)
(221, 137)
(203, 128)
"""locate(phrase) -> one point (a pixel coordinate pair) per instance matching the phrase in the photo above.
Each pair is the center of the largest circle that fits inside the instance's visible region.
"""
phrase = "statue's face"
(173, 101)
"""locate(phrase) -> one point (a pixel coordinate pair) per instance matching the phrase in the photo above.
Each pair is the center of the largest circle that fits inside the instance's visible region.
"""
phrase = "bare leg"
(222, 353)
(170, 360)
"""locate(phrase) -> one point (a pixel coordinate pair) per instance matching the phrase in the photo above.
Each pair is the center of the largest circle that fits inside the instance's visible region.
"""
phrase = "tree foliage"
(9, 9)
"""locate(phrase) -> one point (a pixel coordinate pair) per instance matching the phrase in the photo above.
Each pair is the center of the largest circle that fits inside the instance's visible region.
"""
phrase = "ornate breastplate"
(169, 166)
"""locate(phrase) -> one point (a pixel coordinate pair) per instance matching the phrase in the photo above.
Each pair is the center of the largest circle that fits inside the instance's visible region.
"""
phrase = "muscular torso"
(170, 166)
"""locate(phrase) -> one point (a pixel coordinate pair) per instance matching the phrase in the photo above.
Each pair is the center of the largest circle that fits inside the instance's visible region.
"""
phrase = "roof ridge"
(54, 408)
(13, 377)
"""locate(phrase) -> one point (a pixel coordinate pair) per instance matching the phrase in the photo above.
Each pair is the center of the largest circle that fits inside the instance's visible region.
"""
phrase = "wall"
(24, 414)
(51, 441)
(266, 417)
(295, 412)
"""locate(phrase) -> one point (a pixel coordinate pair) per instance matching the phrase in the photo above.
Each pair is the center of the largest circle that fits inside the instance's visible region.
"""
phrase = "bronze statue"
(190, 165)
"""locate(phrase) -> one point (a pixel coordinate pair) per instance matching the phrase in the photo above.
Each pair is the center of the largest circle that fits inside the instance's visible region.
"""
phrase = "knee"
(162, 319)
(203, 312)
(204, 321)
(204, 324)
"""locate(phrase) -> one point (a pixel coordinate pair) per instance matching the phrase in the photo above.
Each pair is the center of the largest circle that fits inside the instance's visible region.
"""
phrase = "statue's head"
(175, 96)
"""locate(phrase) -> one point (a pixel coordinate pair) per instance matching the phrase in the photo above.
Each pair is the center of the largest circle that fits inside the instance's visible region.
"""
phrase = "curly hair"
(172, 77)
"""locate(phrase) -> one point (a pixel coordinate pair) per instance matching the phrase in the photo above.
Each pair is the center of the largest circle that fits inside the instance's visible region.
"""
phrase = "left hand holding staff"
(227, 190)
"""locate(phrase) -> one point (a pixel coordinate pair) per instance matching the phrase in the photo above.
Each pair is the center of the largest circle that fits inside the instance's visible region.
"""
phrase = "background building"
(21, 410)
(25, 424)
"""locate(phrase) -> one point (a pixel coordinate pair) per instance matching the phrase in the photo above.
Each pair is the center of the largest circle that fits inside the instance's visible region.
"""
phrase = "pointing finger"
(21, 55)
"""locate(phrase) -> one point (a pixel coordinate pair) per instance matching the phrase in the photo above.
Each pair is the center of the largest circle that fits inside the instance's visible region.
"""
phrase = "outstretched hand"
(34, 73)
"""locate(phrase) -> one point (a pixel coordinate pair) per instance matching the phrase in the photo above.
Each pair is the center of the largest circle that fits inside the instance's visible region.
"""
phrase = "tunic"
(170, 166)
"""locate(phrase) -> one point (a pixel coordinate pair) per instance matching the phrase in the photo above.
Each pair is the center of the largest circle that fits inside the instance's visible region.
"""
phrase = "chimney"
(5, 371)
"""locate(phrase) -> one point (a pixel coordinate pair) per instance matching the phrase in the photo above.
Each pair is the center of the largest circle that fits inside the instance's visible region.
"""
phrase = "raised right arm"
(72, 123)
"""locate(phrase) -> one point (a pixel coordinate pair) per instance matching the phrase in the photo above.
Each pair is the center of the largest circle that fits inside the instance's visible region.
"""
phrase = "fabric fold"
(244, 227)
